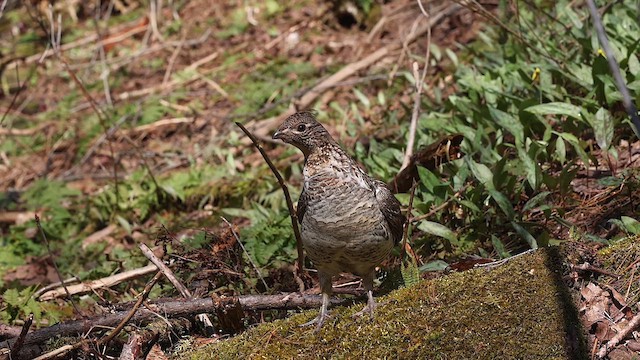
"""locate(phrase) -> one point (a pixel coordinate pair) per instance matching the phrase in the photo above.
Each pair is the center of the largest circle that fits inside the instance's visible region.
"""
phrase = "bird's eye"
(302, 127)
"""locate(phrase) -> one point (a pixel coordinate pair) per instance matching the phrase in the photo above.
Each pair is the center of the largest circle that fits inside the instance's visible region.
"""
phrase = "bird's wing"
(302, 205)
(390, 207)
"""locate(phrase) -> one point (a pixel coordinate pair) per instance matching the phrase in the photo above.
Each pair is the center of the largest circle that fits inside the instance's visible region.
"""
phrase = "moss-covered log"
(520, 310)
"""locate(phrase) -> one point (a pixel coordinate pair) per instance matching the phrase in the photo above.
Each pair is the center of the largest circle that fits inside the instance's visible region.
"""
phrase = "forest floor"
(123, 133)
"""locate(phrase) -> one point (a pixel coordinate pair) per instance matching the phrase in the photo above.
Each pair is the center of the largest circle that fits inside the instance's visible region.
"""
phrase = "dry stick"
(615, 68)
(55, 266)
(141, 299)
(407, 224)
(25, 329)
(292, 212)
(203, 318)
(54, 285)
(93, 285)
(633, 324)
(172, 60)
(255, 268)
(419, 86)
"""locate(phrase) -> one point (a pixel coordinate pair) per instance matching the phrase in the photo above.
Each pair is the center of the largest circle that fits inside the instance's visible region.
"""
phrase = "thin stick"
(55, 266)
(407, 224)
(202, 318)
(419, 86)
(141, 299)
(287, 196)
(93, 285)
(633, 324)
(165, 270)
(172, 60)
(255, 267)
(615, 68)
(18, 344)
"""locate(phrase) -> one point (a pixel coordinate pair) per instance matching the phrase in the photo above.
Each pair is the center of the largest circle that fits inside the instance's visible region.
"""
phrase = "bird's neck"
(324, 157)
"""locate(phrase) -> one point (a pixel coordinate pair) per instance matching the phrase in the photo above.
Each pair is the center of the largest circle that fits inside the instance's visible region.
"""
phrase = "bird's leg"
(325, 287)
(367, 281)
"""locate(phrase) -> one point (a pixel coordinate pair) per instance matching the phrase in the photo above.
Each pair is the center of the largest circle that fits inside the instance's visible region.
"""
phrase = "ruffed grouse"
(349, 221)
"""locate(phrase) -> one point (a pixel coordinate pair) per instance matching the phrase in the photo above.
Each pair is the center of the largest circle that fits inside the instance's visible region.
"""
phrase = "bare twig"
(54, 285)
(15, 349)
(633, 324)
(55, 266)
(287, 196)
(407, 223)
(629, 106)
(202, 318)
(593, 269)
(255, 267)
(148, 253)
(154, 11)
(93, 285)
(419, 86)
(172, 60)
(501, 262)
(141, 299)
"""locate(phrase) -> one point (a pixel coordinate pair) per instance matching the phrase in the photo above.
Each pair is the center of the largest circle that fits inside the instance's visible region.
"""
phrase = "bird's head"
(303, 131)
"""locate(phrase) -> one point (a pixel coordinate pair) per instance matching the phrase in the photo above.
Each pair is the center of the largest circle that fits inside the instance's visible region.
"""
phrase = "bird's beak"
(278, 134)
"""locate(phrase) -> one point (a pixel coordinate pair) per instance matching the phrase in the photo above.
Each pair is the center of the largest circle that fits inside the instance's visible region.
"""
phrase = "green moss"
(519, 310)
(619, 258)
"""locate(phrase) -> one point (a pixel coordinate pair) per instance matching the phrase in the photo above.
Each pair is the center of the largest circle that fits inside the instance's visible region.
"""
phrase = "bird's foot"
(369, 308)
(319, 320)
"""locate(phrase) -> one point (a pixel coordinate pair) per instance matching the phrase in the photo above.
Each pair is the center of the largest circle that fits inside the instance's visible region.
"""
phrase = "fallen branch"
(106, 282)
(170, 308)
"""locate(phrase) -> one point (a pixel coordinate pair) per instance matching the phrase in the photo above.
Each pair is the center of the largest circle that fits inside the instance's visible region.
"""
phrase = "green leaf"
(531, 169)
(503, 203)
(525, 235)
(363, 98)
(555, 108)
(561, 150)
(499, 247)
(631, 225)
(437, 229)
(535, 201)
(436, 265)
(481, 172)
(509, 122)
(603, 128)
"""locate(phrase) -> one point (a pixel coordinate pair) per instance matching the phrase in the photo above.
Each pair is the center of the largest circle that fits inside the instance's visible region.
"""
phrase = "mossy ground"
(517, 311)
